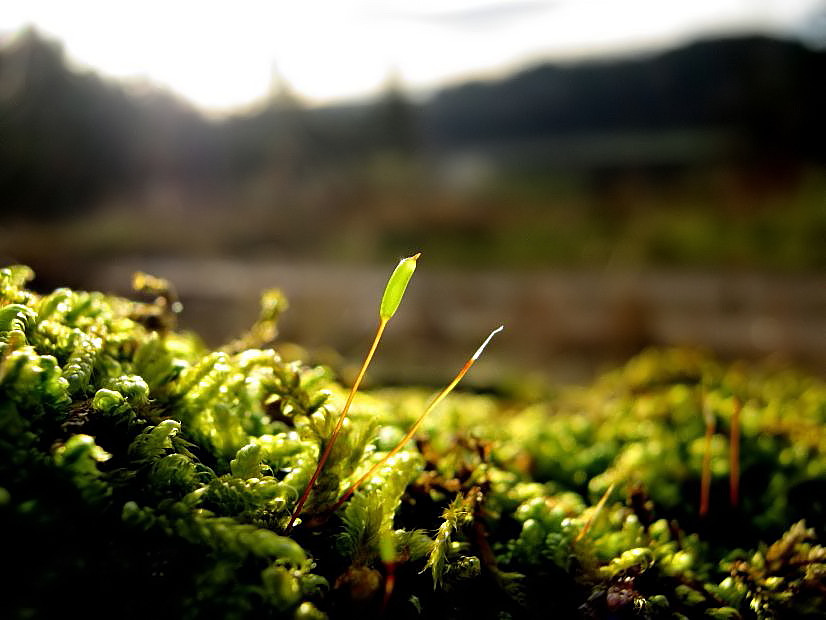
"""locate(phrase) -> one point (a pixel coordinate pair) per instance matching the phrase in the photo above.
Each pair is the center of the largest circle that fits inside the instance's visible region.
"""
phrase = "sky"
(222, 55)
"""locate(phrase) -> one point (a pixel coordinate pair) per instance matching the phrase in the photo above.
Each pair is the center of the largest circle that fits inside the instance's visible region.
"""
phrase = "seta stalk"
(597, 511)
(393, 293)
(410, 433)
(734, 454)
(705, 478)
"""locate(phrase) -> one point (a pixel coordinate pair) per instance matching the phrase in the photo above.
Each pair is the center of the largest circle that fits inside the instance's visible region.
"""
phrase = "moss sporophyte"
(392, 297)
(410, 433)
(393, 293)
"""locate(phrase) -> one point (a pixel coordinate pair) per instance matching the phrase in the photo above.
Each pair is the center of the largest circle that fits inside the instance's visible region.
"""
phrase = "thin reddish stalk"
(389, 583)
(705, 480)
(600, 505)
(412, 431)
(407, 437)
(734, 453)
(328, 448)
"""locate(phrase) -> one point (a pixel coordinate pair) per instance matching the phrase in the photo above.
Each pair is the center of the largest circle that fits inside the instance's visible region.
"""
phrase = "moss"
(143, 474)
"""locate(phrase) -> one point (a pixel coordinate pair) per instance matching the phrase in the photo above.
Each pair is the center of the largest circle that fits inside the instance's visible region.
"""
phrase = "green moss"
(143, 475)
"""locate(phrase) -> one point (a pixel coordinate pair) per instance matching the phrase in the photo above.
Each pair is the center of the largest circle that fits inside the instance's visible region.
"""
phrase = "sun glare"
(221, 56)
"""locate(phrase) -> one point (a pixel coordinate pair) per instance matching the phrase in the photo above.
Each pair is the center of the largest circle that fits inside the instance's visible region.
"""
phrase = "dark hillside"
(769, 92)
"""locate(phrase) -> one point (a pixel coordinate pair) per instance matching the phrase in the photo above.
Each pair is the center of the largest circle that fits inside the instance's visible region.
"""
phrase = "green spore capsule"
(396, 286)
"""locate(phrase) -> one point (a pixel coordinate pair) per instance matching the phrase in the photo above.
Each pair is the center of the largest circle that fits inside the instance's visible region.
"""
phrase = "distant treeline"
(772, 92)
(68, 138)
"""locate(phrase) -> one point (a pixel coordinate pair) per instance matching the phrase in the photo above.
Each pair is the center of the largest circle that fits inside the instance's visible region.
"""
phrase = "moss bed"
(144, 475)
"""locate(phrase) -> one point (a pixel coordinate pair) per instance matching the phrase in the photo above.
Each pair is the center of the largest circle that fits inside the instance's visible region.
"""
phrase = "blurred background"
(599, 176)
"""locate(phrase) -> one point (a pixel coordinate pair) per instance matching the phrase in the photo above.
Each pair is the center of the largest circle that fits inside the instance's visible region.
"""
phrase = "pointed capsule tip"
(416, 256)
(485, 343)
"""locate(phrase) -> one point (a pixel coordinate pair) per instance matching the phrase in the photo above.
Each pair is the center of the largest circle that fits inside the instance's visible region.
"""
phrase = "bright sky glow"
(221, 55)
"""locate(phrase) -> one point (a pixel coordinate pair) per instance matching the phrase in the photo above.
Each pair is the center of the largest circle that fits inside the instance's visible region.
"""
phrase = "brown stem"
(600, 505)
(734, 454)
(408, 436)
(389, 583)
(328, 448)
(705, 479)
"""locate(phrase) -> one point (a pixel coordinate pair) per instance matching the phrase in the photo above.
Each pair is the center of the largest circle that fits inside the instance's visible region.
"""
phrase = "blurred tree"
(63, 136)
(69, 138)
(394, 120)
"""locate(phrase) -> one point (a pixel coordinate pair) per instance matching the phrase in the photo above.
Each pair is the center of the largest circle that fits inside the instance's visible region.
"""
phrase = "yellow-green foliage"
(142, 475)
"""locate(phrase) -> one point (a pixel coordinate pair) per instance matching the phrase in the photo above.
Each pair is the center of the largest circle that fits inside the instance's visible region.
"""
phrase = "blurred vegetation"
(708, 155)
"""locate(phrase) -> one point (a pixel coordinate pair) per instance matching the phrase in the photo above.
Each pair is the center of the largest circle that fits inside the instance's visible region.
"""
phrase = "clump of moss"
(141, 473)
